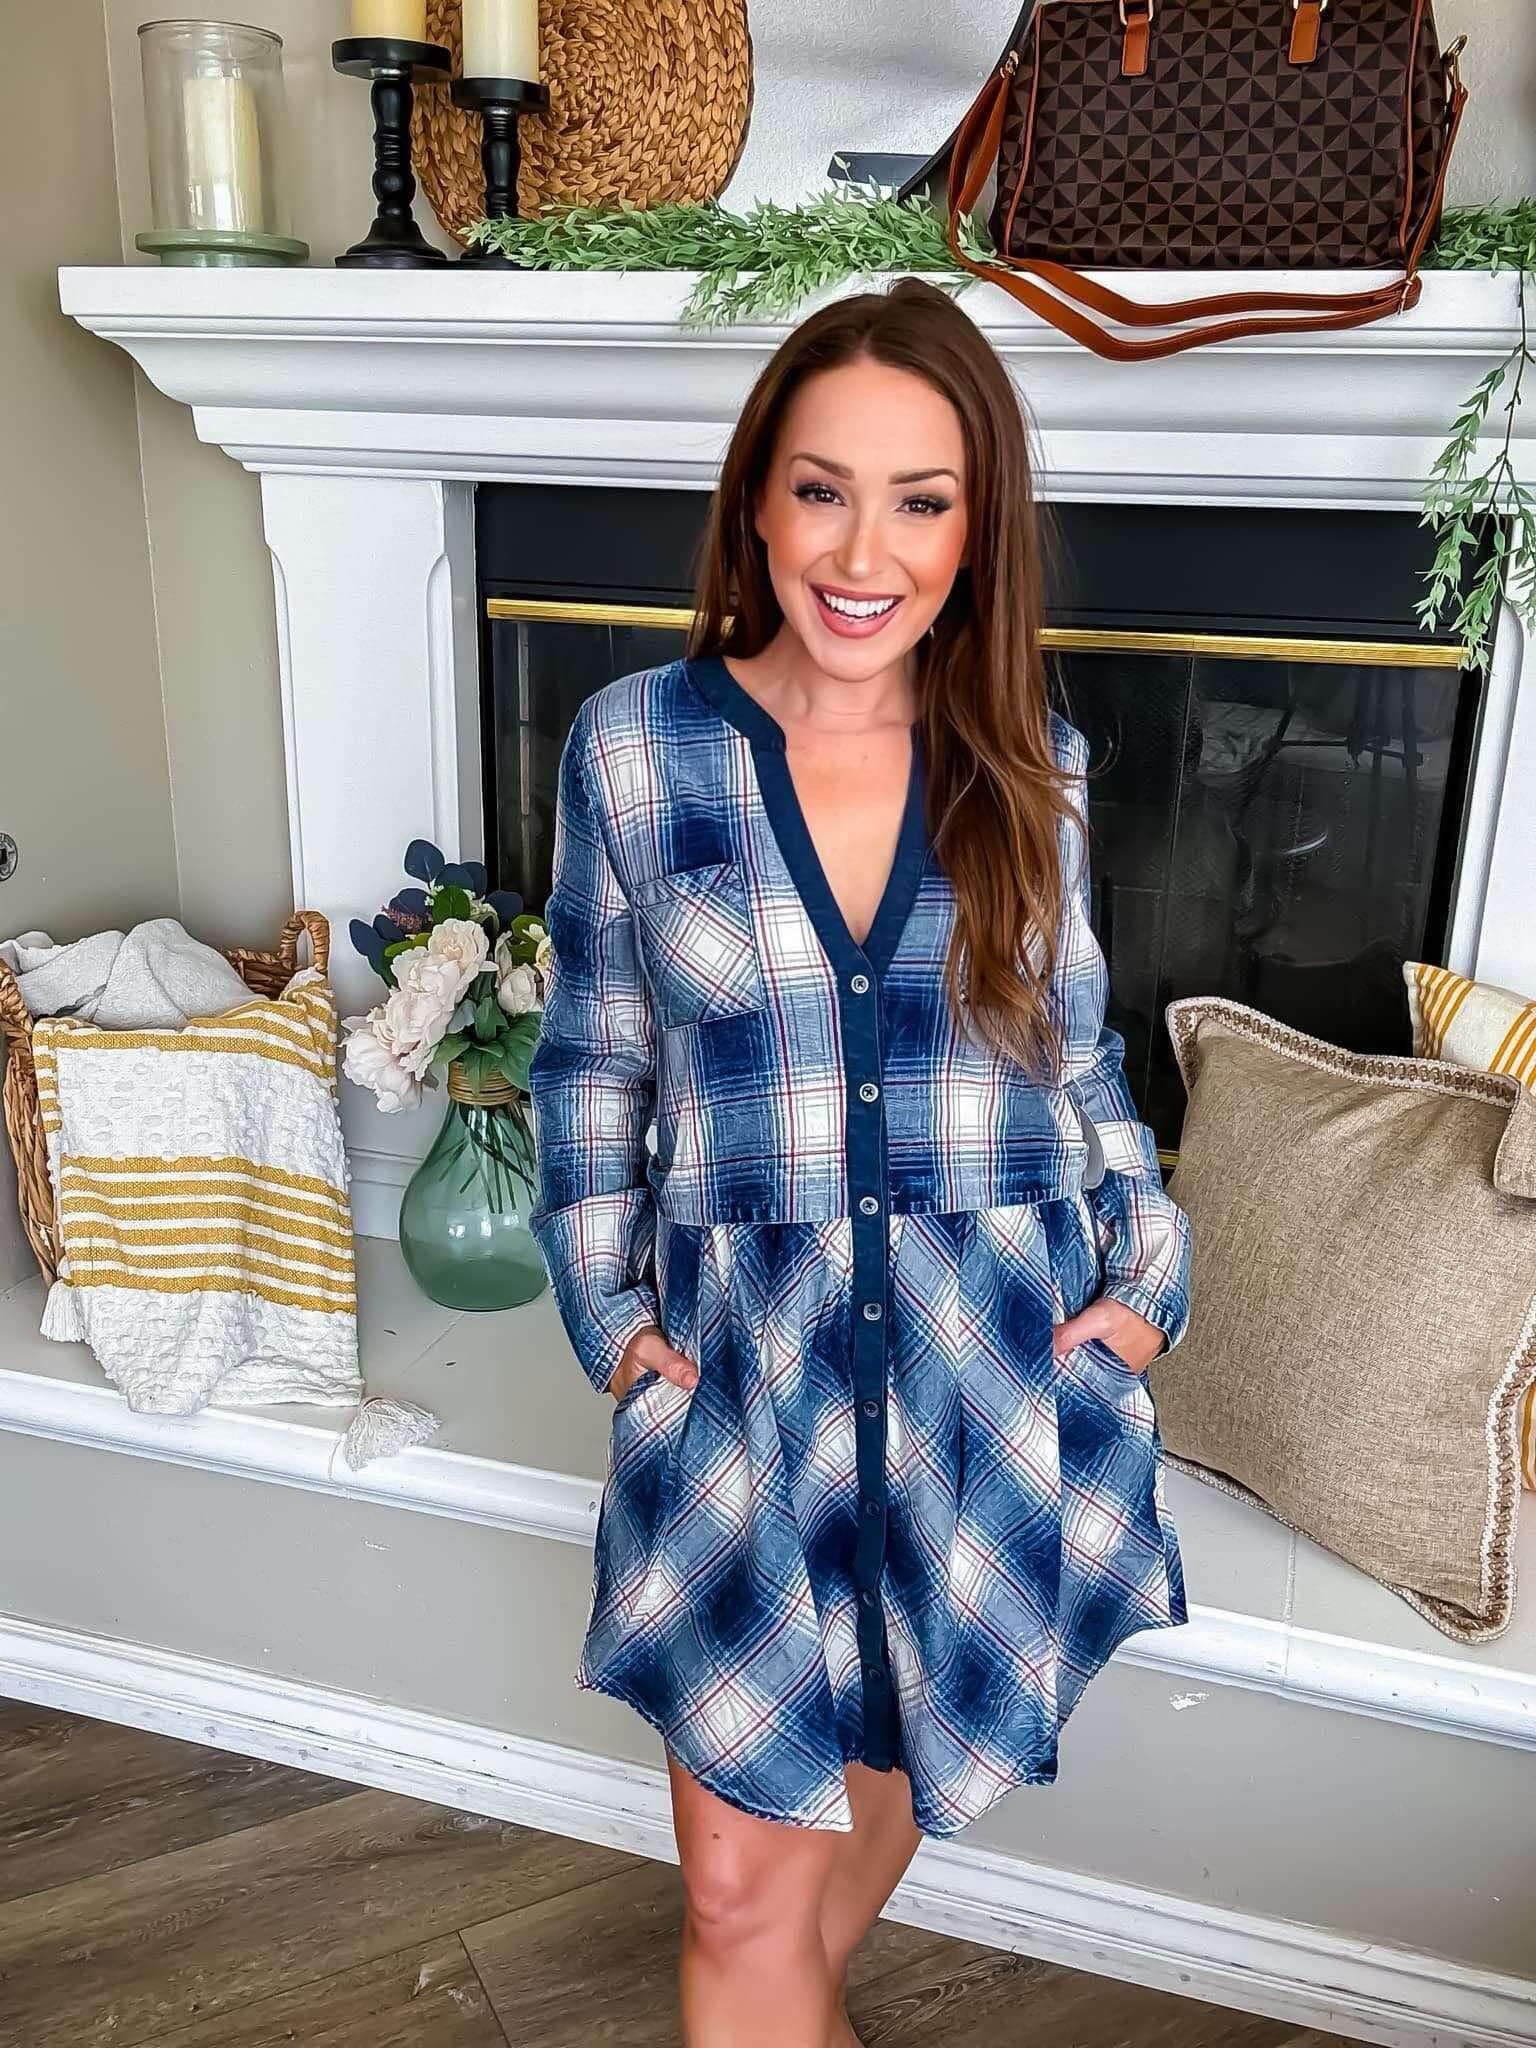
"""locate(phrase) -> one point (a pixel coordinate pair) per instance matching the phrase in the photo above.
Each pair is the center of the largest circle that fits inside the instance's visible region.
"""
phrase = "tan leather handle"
(977, 142)
(1135, 47)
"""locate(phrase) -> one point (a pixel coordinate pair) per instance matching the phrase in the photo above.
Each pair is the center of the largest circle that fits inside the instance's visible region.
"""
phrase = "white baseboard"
(1303, 1975)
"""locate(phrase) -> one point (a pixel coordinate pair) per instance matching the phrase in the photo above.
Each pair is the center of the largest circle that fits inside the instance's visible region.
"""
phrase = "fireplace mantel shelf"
(575, 376)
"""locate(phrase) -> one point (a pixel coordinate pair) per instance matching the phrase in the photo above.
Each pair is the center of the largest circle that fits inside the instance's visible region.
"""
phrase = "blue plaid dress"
(887, 1524)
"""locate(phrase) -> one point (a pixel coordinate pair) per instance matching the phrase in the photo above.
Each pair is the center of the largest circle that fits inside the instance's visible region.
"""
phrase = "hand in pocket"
(649, 1351)
(1134, 1341)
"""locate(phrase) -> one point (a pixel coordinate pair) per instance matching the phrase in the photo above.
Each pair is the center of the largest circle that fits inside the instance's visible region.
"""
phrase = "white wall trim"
(1444, 1694)
(1304, 1975)
(378, 666)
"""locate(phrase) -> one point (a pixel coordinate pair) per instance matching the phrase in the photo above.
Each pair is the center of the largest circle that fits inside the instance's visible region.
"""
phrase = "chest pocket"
(698, 945)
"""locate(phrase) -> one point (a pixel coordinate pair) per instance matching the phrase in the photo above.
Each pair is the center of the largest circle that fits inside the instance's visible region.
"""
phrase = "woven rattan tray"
(646, 104)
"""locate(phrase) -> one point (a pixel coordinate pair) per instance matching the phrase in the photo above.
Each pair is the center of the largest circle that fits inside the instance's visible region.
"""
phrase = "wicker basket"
(265, 974)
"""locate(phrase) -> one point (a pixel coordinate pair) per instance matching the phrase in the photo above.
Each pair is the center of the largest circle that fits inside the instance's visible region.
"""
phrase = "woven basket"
(265, 974)
(646, 104)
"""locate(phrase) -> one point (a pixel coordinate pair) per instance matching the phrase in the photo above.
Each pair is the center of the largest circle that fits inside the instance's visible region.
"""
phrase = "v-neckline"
(786, 815)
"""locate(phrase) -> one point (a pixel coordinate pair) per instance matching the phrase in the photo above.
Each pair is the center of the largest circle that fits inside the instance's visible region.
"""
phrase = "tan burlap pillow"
(1363, 1322)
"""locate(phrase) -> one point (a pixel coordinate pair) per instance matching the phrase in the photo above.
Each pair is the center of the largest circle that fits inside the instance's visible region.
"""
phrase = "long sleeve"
(1144, 1236)
(592, 1080)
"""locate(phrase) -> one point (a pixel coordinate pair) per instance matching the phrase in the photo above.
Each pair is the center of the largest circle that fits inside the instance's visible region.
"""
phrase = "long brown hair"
(995, 793)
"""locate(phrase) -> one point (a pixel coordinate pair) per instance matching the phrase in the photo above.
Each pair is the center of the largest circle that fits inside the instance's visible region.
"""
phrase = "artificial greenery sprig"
(1466, 505)
(755, 265)
(762, 263)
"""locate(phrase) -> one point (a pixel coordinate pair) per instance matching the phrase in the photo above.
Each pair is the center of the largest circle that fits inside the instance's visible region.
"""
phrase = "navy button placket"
(858, 970)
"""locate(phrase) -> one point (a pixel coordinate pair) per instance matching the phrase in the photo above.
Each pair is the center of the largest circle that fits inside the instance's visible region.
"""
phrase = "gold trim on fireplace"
(1056, 639)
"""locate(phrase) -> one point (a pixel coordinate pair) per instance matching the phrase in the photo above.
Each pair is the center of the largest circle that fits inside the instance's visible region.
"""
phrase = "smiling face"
(863, 514)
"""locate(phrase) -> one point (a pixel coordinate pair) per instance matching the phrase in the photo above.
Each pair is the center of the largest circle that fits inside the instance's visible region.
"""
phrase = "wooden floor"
(152, 1890)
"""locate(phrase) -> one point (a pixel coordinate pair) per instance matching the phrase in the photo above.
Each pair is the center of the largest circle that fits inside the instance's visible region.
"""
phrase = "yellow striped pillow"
(201, 1201)
(1475, 1024)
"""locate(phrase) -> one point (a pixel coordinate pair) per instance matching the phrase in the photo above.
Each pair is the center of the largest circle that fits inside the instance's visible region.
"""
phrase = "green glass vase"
(464, 1215)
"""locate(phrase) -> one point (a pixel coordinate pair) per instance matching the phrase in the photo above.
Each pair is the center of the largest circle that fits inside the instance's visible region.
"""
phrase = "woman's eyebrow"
(903, 476)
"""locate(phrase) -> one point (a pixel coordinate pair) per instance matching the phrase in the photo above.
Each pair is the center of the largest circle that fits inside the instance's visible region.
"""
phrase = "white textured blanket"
(153, 977)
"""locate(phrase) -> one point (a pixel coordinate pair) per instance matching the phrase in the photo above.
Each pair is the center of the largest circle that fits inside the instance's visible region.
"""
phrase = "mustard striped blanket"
(200, 1197)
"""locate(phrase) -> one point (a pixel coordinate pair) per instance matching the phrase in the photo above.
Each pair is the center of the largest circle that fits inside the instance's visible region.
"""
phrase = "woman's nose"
(861, 550)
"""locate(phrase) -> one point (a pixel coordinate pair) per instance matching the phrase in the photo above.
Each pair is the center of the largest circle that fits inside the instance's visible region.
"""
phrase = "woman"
(885, 1483)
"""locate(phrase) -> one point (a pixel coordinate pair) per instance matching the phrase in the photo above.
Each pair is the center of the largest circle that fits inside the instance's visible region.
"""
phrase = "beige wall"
(84, 785)
(212, 572)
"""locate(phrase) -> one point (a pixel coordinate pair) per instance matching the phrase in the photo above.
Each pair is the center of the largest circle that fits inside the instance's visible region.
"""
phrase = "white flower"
(462, 944)
(517, 985)
(413, 1022)
(372, 1064)
(544, 953)
(517, 990)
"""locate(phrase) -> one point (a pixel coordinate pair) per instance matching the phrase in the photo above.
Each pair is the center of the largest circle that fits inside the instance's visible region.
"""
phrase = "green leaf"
(451, 902)
(488, 1015)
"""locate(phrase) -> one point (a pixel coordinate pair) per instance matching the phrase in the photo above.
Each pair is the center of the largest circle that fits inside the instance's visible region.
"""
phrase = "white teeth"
(859, 608)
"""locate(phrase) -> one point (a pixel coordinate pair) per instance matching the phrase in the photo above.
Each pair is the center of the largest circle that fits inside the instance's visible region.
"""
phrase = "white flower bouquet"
(466, 971)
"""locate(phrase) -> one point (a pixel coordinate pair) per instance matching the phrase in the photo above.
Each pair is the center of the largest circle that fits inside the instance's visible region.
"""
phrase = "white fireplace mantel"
(587, 376)
(371, 403)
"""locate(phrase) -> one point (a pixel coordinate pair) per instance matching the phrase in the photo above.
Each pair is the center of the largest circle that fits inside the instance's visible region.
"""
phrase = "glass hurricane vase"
(464, 1215)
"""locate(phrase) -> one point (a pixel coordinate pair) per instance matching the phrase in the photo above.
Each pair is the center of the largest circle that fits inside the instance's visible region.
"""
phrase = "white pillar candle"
(223, 153)
(501, 39)
(402, 21)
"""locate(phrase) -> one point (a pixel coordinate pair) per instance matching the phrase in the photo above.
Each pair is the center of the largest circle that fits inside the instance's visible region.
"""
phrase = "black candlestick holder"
(499, 102)
(394, 242)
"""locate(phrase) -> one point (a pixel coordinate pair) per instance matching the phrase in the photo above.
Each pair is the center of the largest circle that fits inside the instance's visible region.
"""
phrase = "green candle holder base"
(220, 248)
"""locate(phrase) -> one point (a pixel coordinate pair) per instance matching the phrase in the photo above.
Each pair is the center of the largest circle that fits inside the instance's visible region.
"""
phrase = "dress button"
(869, 1205)
(867, 1596)
(872, 1311)
(859, 983)
(870, 1407)
(873, 1673)
(871, 1508)
(867, 1091)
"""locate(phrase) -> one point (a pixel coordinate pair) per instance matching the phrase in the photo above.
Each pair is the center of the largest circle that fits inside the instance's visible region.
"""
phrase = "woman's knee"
(736, 1899)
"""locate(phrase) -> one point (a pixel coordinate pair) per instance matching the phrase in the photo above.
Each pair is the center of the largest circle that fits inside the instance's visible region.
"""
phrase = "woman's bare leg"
(753, 1969)
(866, 1868)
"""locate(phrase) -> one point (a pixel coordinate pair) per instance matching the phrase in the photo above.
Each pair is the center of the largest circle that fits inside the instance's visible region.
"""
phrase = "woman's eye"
(928, 505)
(933, 505)
(804, 490)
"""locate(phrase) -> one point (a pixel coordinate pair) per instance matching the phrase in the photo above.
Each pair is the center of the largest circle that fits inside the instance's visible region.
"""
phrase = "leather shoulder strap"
(923, 177)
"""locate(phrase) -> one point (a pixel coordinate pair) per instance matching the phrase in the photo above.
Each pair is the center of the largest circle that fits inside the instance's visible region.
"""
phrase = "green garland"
(757, 265)
(1463, 503)
(760, 265)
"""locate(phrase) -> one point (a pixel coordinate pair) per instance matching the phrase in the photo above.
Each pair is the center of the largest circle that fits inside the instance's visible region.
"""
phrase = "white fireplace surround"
(370, 405)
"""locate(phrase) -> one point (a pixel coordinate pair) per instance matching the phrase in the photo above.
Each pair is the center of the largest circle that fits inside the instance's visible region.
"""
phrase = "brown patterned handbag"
(1208, 134)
